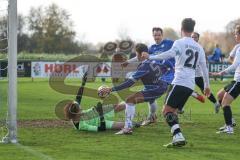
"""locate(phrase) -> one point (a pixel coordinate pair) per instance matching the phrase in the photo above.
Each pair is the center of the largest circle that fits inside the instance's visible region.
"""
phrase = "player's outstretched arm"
(234, 65)
(203, 67)
(126, 84)
(134, 59)
(165, 55)
(141, 71)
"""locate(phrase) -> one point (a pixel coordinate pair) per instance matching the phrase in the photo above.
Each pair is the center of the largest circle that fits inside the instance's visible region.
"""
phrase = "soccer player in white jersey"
(199, 79)
(231, 91)
(188, 54)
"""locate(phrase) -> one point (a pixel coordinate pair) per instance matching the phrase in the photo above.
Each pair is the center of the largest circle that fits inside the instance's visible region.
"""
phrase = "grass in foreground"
(37, 101)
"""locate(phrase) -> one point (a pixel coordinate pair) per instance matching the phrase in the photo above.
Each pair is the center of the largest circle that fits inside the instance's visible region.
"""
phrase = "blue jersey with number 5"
(167, 65)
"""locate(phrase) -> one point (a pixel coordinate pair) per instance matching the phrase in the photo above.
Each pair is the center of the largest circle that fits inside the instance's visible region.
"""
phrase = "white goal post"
(11, 137)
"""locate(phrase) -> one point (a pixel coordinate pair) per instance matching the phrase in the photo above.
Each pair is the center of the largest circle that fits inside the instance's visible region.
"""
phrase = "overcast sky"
(101, 20)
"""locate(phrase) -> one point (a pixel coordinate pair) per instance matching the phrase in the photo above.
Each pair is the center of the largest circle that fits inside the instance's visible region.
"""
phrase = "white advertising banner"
(70, 69)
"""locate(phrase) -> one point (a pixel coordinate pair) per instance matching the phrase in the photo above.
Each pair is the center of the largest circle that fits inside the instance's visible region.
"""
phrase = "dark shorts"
(233, 89)
(177, 96)
(151, 94)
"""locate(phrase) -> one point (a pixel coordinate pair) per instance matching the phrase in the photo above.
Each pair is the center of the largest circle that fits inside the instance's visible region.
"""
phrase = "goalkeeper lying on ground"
(95, 118)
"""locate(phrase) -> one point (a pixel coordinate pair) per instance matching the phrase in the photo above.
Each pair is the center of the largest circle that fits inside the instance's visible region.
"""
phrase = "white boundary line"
(34, 152)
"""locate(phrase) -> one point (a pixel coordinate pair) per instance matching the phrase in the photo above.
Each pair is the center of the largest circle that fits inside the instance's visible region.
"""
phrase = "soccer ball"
(103, 91)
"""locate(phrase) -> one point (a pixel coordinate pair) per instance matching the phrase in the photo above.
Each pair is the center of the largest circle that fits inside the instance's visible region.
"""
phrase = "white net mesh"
(3, 26)
(3, 57)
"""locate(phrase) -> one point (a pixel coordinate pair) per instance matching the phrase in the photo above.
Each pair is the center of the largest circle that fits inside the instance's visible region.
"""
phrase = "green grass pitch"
(43, 140)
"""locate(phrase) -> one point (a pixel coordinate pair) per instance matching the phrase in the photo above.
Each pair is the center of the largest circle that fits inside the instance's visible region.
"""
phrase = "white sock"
(152, 108)
(194, 94)
(129, 115)
(174, 127)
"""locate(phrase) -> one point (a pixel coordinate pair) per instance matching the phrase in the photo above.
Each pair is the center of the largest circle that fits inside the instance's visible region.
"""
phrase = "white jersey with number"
(188, 55)
(235, 65)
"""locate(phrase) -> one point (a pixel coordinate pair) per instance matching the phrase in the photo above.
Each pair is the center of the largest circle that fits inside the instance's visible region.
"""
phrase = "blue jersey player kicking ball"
(148, 72)
(167, 67)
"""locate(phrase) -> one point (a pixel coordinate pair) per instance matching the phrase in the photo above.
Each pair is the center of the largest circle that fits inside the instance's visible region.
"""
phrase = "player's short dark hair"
(140, 47)
(188, 25)
(157, 29)
(196, 33)
(237, 28)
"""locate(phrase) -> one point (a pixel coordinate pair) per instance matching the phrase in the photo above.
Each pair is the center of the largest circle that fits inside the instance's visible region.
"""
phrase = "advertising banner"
(70, 69)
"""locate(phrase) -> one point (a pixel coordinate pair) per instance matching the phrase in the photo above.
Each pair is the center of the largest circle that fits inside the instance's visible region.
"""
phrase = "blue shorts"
(157, 91)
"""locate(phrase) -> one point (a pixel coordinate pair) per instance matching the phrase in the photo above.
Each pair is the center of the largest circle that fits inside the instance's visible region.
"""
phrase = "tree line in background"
(225, 39)
(44, 30)
(50, 30)
(209, 39)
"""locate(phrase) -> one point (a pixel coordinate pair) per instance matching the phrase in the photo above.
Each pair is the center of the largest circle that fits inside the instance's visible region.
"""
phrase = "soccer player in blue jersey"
(161, 45)
(148, 72)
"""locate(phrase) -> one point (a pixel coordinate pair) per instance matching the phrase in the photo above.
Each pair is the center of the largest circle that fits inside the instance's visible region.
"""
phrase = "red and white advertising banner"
(70, 69)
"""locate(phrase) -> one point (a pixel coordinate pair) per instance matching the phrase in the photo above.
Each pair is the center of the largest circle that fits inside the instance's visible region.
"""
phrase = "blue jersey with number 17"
(168, 70)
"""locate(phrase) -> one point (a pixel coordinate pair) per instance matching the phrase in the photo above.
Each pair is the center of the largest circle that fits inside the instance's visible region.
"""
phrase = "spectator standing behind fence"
(216, 56)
